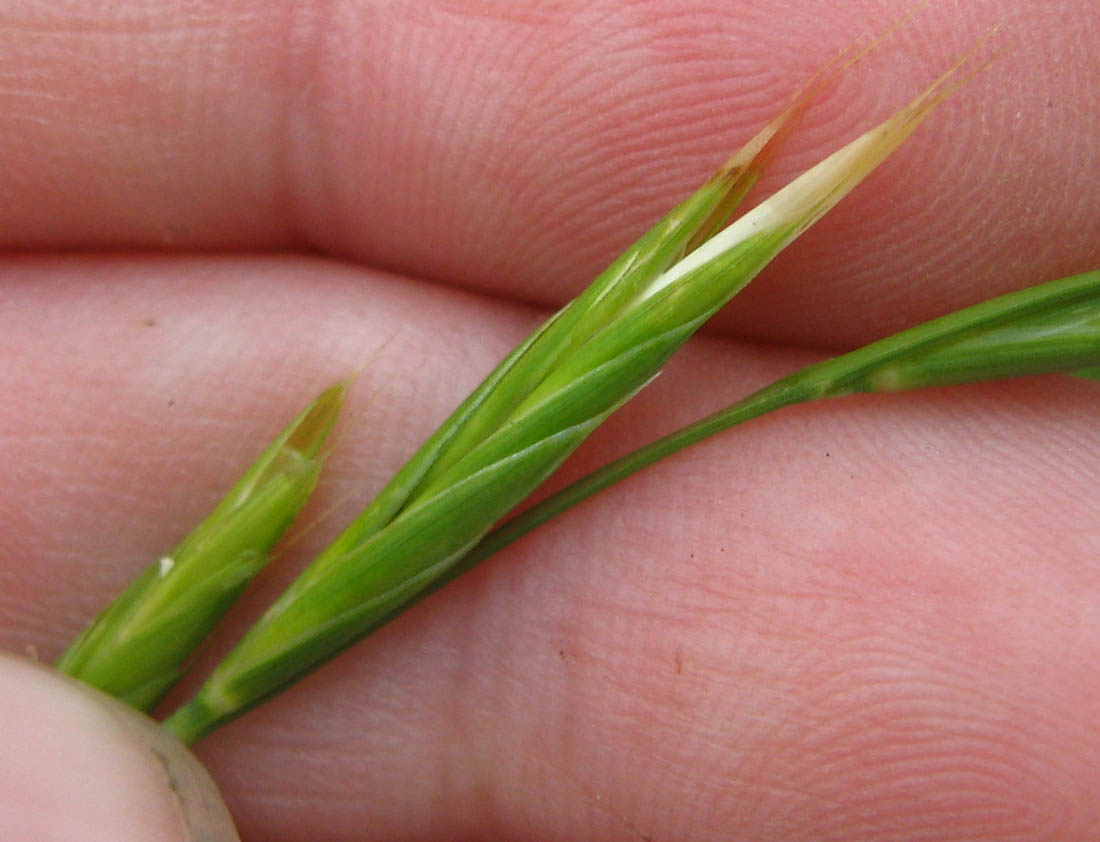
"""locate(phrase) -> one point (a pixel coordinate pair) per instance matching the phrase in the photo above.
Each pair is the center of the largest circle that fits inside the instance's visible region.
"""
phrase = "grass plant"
(1053, 328)
(533, 411)
(435, 519)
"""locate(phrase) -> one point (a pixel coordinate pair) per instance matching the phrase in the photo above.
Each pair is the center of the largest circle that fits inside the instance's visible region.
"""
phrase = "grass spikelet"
(137, 648)
(1051, 328)
(532, 412)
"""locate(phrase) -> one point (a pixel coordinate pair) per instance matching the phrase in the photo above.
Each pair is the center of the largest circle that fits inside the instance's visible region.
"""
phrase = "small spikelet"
(138, 646)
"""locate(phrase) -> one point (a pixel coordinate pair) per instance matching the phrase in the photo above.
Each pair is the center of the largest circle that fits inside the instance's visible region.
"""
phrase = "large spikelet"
(534, 410)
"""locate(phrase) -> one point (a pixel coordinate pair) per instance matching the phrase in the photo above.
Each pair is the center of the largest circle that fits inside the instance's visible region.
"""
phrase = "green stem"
(775, 396)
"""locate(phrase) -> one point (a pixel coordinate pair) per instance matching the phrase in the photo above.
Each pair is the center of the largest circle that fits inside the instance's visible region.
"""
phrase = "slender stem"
(775, 396)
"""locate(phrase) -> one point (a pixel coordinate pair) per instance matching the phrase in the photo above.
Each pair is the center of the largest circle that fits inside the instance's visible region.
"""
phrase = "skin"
(871, 619)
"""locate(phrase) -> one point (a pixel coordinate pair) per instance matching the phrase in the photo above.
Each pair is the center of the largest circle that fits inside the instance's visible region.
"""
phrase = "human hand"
(78, 764)
(872, 619)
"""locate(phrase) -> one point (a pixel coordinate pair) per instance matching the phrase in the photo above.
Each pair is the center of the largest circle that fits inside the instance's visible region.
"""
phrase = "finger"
(871, 619)
(517, 152)
(76, 764)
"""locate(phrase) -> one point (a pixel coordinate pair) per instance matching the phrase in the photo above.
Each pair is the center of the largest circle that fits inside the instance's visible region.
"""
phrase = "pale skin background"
(875, 619)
